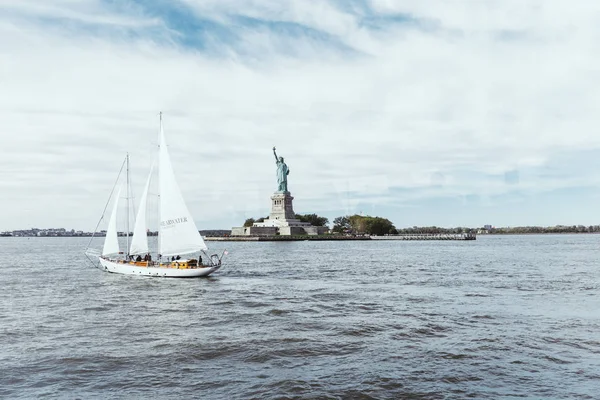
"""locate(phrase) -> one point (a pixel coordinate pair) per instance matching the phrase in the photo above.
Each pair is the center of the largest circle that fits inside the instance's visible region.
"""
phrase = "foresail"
(139, 242)
(111, 242)
(178, 232)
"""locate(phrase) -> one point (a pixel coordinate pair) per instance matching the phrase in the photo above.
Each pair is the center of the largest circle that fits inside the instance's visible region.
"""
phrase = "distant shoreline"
(320, 237)
(537, 233)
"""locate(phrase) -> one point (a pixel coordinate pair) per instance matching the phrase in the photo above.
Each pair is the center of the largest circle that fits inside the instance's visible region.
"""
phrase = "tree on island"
(359, 224)
(380, 226)
(341, 225)
(313, 219)
(251, 221)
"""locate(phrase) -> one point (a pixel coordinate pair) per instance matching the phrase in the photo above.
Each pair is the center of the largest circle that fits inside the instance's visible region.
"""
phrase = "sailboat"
(178, 235)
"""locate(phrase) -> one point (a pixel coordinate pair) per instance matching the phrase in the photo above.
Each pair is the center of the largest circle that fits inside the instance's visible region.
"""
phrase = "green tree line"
(367, 225)
(546, 229)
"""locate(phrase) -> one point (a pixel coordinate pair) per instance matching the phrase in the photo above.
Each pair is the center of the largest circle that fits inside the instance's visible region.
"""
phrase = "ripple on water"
(363, 330)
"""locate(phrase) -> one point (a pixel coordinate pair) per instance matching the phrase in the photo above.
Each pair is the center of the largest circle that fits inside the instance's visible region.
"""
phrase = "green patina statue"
(282, 173)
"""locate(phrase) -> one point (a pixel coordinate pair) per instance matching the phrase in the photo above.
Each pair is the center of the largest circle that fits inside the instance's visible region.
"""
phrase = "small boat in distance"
(178, 235)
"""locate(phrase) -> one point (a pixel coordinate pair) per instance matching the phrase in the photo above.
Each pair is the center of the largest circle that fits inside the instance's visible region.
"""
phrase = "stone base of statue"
(281, 221)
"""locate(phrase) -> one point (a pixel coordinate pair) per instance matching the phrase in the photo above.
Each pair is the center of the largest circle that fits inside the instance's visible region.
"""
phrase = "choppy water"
(502, 317)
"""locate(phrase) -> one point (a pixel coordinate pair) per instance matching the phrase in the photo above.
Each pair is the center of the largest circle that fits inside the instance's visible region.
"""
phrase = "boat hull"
(155, 271)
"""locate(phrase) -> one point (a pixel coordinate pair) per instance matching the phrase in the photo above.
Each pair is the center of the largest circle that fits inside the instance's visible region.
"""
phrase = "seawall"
(279, 238)
(284, 238)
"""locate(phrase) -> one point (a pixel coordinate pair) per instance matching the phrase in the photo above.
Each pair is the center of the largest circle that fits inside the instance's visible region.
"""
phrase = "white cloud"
(435, 110)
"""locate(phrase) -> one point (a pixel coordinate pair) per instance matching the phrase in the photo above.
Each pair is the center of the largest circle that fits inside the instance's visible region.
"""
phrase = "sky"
(436, 112)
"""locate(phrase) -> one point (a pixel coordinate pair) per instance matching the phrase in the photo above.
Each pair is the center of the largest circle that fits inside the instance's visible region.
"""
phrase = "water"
(501, 317)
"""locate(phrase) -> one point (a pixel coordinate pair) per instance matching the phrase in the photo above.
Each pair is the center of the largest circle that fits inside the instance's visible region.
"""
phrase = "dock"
(428, 236)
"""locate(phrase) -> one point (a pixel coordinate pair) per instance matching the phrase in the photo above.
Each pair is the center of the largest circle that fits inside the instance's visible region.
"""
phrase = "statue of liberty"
(282, 173)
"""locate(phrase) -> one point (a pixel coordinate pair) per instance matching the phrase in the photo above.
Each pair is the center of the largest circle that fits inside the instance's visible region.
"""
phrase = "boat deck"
(182, 264)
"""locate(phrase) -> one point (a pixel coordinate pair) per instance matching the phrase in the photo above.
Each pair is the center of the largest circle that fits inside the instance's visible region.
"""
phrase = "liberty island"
(282, 219)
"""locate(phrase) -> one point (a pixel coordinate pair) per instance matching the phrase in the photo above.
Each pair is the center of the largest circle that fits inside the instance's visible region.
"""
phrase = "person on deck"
(138, 258)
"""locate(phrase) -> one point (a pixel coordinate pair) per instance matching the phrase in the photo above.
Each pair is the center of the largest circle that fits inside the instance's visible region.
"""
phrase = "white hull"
(164, 272)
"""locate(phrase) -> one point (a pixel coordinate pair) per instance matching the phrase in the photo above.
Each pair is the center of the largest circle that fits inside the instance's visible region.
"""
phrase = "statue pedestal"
(282, 207)
(282, 221)
(282, 215)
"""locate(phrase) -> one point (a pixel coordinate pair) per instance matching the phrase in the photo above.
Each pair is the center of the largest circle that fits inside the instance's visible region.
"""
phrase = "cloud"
(371, 102)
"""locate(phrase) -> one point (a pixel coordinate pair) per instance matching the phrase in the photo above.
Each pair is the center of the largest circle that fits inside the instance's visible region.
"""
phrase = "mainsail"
(111, 242)
(178, 232)
(139, 242)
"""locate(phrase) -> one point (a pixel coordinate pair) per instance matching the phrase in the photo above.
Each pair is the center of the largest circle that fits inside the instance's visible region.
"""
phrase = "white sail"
(139, 242)
(178, 232)
(111, 242)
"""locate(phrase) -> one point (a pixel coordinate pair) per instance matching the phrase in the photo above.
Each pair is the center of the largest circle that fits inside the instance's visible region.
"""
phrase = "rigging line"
(108, 201)
(90, 260)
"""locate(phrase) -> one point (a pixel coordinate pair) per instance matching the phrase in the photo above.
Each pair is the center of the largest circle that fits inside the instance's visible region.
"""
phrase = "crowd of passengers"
(148, 258)
(139, 258)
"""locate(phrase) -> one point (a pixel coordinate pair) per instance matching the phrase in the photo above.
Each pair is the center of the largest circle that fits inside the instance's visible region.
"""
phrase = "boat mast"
(158, 175)
(127, 251)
